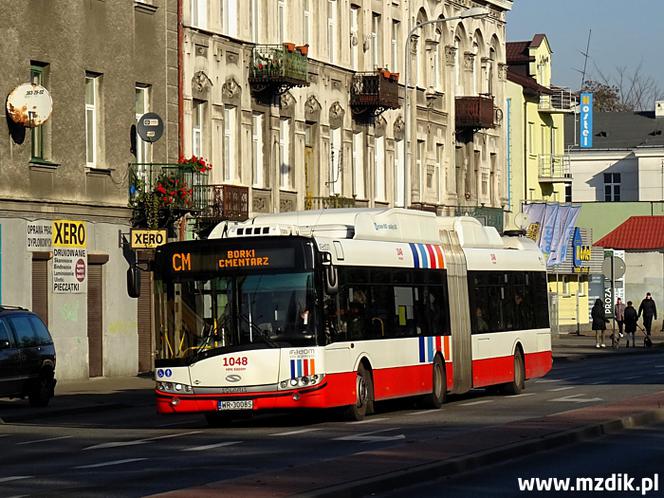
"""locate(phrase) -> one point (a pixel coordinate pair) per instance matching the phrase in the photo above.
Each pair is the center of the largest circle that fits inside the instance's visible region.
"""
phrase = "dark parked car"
(27, 356)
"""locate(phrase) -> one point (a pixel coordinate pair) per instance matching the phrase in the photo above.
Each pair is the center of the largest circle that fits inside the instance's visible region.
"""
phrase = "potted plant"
(289, 46)
(303, 49)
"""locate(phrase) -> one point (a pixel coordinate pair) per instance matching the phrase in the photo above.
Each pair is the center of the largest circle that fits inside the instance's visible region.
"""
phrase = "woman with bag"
(599, 323)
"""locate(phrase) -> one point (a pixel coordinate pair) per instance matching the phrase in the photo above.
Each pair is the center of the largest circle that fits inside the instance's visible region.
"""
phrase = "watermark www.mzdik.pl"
(615, 482)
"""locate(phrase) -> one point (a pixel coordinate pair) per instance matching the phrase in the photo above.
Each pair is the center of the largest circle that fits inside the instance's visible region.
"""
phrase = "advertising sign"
(586, 120)
(148, 239)
(38, 236)
(70, 257)
(582, 253)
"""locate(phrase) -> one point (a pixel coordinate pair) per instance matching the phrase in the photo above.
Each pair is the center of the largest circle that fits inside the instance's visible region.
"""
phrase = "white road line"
(659, 366)
(291, 433)
(423, 412)
(659, 373)
(211, 446)
(135, 442)
(170, 436)
(14, 478)
(561, 389)
(522, 395)
(480, 402)
(108, 464)
(367, 421)
(546, 381)
(369, 437)
(631, 377)
(43, 440)
(596, 383)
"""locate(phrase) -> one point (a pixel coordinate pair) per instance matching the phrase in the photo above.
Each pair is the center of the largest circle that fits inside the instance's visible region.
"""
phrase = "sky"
(624, 34)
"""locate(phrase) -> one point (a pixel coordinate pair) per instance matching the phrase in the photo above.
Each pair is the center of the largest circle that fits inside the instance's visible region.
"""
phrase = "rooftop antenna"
(586, 55)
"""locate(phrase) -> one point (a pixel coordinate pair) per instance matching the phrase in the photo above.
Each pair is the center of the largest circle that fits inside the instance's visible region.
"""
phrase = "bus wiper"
(263, 334)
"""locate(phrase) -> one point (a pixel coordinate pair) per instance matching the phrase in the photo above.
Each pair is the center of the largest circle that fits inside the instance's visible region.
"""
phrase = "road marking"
(211, 446)
(4, 435)
(108, 464)
(367, 421)
(561, 388)
(422, 412)
(575, 398)
(291, 433)
(14, 478)
(522, 395)
(42, 440)
(368, 437)
(631, 377)
(480, 402)
(546, 381)
(596, 383)
(659, 373)
(135, 442)
(659, 366)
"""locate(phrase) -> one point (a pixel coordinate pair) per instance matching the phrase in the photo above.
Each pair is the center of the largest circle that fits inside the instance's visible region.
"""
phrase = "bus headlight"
(304, 381)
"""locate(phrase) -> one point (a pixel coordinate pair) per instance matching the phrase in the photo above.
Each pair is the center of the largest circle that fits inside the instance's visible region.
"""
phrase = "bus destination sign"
(232, 259)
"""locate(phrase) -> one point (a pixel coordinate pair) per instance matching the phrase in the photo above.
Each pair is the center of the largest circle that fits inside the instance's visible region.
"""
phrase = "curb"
(474, 461)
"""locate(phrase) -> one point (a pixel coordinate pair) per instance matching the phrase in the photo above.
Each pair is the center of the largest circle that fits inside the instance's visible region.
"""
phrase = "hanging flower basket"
(303, 49)
(194, 164)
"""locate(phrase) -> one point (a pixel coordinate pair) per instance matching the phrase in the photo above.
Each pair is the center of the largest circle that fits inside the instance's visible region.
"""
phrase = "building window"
(400, 174)
(436, 67)
(336, 162)
(257, 149)
(332, 29)
(476, 61)
(355, 37)
(142, 105)
(197, 115)
(440, 151)
(611, 187)
(376, 58)
(281, 20)
(531, 138)
(38, 76)
(420, 160)
(230, 143)
(229, 17)
(358, 165)
(306, 21)
(284, 147)
(485, 183)
(568, 192)
(457, 66)
(255, 19)
(91, 118)
(380, 168)
(199, 13)
(394, 43)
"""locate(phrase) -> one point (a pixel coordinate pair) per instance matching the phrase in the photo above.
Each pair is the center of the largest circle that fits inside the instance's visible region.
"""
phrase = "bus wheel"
(218, 419)
(519, 382)
(437, 396)
(363, 395)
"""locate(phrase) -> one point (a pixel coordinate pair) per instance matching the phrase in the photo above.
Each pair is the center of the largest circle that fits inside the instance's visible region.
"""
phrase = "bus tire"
(439, 390)
(519, 383)
(363, 395)
(218, 419)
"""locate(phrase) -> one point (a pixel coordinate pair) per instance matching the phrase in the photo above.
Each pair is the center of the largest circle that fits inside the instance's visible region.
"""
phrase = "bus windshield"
(222, 313)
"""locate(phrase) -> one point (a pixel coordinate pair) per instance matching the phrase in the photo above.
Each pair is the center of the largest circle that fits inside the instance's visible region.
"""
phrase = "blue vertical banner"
(586, 120)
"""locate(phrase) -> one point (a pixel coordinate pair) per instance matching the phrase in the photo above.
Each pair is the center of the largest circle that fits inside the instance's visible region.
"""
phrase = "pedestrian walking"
(599, 323)
(619, 317)
(630, 317)
(649, 311)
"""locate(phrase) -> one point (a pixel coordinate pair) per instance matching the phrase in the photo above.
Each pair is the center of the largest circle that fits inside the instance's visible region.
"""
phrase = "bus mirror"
(133, 282)
(331, 280)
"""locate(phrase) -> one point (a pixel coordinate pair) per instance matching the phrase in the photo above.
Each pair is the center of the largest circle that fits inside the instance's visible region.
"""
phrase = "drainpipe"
(509, 155)
(180, 83)
(525, 149)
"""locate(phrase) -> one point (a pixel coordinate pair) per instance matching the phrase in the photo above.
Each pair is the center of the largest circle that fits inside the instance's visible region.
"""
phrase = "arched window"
(476, 65)
(458, 83)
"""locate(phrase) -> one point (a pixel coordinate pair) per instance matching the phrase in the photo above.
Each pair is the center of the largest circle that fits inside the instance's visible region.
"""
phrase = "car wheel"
(363, 395)
(42, 391)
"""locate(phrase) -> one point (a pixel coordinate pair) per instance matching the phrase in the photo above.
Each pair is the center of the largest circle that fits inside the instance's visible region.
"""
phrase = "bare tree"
(635, 90)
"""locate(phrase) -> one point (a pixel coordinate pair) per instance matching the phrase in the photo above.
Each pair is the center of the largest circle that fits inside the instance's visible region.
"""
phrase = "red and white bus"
(344, 307)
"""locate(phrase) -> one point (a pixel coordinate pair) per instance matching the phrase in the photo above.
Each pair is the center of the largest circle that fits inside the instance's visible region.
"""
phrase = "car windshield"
(203, 317)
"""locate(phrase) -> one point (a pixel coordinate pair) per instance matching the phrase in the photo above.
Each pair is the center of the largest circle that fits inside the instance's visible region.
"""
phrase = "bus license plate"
(245, 404)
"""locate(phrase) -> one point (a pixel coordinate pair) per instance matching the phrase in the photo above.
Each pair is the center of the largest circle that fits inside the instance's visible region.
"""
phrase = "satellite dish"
(29, 105)
(521, 220)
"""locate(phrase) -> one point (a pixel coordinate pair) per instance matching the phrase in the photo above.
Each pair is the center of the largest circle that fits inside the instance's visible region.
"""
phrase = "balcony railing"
(374, 92)
(474, 112)
(333, 201)
(488, 216)
(554, 168)
(278, 67)
(215, 203)
(561, 100)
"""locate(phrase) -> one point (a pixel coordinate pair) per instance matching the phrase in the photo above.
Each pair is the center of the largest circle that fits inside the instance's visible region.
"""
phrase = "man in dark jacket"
(630, 318)
(649, 311)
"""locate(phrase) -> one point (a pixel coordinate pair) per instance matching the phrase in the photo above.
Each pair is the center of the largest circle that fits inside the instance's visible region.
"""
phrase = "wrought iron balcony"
(554, 168)
(215, 203)
(475, 112)
(276, 68)
(374, 92)
(560, 100)
(333, 201)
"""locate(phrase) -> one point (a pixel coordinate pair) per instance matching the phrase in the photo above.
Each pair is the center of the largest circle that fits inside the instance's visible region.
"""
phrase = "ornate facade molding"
(399, 128)
(312, 109)
(336, 115)
(201, 85)
(230, 89)
(450, 54)
(468, 61)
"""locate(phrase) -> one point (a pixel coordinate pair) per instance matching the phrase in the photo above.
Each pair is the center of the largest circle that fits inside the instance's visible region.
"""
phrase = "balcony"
(276, 68)
(554, 169)
(216, 203)
(488, 216)
(373, 93)
(560, 100)
(333, 201)
(475, 112)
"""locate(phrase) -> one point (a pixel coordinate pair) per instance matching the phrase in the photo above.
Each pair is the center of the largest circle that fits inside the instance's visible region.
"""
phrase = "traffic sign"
(618, 267)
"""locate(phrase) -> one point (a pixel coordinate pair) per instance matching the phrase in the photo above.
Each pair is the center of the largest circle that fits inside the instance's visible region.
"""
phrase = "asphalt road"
(134, 452)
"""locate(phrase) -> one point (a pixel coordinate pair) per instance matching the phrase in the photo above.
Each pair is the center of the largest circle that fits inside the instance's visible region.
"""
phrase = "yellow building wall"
(567, 300)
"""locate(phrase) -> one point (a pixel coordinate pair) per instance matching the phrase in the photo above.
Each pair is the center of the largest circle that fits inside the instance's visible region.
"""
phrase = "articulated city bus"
(344, 307)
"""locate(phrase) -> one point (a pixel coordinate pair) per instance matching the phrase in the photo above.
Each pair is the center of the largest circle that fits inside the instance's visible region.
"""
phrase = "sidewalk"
(572, 347)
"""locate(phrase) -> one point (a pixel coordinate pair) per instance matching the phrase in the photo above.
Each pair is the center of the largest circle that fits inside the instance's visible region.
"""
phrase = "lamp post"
(474, 12)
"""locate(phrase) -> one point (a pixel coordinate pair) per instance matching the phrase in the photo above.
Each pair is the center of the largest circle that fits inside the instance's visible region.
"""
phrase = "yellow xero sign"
(67, 233)
(147, 239)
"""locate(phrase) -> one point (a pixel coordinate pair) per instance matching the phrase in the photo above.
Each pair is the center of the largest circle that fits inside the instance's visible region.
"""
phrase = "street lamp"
(474, 12)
